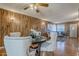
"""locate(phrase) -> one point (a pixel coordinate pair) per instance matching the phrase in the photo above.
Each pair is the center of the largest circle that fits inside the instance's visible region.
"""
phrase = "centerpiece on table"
(36, 35)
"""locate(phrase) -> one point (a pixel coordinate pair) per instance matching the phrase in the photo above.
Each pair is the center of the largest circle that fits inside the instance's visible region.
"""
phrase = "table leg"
(39, 49)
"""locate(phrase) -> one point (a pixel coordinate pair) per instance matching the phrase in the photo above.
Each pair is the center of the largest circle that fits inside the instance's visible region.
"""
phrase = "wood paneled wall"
(15, 22)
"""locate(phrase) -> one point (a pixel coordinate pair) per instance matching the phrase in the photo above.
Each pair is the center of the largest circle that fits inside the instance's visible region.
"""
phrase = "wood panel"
(15, 22)
(0, 28)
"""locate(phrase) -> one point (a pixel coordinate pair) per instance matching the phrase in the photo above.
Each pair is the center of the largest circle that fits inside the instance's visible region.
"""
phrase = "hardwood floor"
(2, 52)
(67, 47)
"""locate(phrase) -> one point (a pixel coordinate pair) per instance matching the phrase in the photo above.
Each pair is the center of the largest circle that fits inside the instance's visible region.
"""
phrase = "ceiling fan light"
(35, 7)
(31, 6)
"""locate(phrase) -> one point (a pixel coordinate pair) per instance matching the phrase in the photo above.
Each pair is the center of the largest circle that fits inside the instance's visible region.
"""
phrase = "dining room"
(39, 29)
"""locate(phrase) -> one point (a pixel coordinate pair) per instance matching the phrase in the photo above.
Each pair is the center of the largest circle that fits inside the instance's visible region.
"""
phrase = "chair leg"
(42, 53)
(49, 53)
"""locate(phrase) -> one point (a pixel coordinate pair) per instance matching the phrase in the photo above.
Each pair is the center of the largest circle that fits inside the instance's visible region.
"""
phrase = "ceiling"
(56, 12)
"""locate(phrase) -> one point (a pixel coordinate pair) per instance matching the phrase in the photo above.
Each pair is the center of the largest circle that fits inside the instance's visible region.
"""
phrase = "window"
(51, 27)
(54, 27)
(60, 27)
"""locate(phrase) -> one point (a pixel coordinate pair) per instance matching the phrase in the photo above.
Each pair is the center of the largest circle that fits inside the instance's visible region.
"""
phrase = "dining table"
(39, 42)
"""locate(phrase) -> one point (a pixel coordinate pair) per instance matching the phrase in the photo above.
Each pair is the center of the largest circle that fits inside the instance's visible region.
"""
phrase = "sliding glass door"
(56, 27)
(51, 27)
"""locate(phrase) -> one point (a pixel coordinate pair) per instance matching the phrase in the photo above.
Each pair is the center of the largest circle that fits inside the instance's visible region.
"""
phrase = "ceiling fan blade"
(26, 8)
(43, 4)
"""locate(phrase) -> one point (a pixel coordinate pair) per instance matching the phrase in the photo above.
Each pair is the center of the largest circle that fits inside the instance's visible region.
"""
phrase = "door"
(73, 30)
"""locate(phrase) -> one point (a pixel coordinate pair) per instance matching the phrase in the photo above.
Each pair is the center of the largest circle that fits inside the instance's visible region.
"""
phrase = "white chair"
(17, 46)
(15, 34)
(50, 45)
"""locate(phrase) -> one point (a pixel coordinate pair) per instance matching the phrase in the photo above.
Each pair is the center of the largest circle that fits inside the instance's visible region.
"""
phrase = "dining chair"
(15, 34)
(17, 46)
(50, 45)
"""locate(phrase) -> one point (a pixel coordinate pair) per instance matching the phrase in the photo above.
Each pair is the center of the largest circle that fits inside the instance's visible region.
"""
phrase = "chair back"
(15, 34)
(53, 40)
(17, 46)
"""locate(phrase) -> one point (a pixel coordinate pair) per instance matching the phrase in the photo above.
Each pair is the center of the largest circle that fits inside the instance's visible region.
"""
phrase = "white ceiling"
(56, 12)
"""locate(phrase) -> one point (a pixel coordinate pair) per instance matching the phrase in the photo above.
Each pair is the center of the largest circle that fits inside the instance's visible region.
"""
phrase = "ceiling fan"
(35, 6)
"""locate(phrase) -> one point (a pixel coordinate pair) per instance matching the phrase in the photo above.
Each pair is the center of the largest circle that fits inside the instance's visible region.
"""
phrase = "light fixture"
(43, 23)
(34, 6)
(12, 18)
(31, 6)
